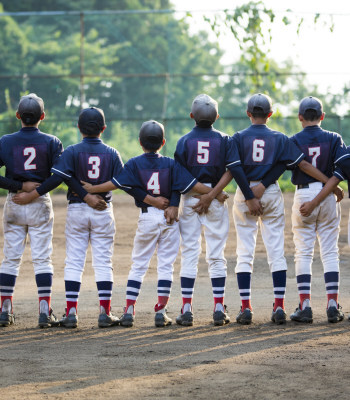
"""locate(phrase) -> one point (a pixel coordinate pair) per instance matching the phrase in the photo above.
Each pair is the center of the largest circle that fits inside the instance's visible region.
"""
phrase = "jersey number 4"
(153, 183)
(28, 164)
(258, 150)
(314, 152)
(95, 161)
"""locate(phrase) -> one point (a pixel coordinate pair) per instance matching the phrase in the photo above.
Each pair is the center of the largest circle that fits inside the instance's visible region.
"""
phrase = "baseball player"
(206, 153)
(159, 176)
(28, 155)
(260, 149)
(324, 150)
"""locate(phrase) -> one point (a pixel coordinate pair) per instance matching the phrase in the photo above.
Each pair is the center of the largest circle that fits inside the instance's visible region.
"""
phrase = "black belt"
(306, 186)
(144, 210)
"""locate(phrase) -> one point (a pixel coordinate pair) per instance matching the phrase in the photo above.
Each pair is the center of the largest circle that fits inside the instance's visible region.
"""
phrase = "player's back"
(260, 148)
(322, 149)
(29, 154)
(90, 161)
(205, 153)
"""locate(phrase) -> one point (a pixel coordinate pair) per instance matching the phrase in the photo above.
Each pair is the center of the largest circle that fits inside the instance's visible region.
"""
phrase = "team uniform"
(158, 176)
(206, 153)
(94, 162)
(323, 149)
(260, 148)
(28, 155)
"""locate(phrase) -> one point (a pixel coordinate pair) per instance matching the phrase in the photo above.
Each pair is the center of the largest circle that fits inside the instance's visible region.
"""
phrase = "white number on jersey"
(95, 161)
(314, 152)
(31, 152)
(258, 150)
(153, 183)
(203, 152)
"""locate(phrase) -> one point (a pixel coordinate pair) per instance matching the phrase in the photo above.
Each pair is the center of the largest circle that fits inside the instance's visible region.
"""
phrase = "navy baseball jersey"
(322, 149)
(206, 153)
(260, 148)
(90, 161)
(157, 175)
(29, 154)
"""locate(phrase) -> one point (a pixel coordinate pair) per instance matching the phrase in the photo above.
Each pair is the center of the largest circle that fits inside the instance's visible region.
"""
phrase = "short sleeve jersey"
(206, 153)
(156, 174)
(322, 149)
(29, 154)
(260, 148)
(90, 161)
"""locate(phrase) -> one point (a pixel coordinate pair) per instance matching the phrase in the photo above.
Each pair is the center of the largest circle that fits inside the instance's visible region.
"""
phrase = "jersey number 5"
(314, 152)
(31, 152)
(95, 161)
(153, 183)
(258, 150)
(203, 152)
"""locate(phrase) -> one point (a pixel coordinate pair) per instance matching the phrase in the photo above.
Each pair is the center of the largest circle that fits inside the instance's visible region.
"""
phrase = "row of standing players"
(206, 160)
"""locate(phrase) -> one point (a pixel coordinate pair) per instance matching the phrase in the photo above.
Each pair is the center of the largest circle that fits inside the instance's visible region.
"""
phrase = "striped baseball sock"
(44, 284)
(132, 293)
(104, 289)
(7, 287)
(218, 285)
(304, 288)
(187, 289)
(72, 295)
(164, 288)
(332, 286)
(279, 279)
(244, 282)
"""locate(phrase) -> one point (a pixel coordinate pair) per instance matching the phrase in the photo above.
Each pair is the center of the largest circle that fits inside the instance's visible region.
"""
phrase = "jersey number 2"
(95, 161)
(31, 152)
(153, 183)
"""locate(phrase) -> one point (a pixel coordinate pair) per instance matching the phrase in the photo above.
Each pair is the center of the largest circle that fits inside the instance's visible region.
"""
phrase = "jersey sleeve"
(232, 154)
(180, 153)
(272, 176)
(342, 169)
(126, 178)
(64, 165)
(291, 154)
(339, 149)
(10, 184)
(182, 180)
(57, 150)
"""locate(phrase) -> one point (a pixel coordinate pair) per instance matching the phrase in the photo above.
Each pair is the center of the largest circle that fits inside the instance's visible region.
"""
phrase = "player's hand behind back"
(339, 193)
(258, 190)
(29, 186)
(87, 186)
(255, 207)
(95, 201)
(25, 198)
(171, 215)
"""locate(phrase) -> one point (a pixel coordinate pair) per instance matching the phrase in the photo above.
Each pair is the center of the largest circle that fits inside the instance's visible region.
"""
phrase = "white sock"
(219, 307)
(332, 303)
(102, 310)
(43, 307)
(130, 310)
(161, 311)
(7, 306)
(186, 307)
(72, 311)
(306, 303)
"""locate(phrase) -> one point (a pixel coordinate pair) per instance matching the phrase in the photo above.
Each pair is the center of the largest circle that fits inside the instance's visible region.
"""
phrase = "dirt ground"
(260, 361)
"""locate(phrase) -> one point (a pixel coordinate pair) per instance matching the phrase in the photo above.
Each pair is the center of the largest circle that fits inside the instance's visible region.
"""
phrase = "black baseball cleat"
(185, 319)
(335, 314)
(48, 320)
(304, 316)
(161, 320)
(279, 316)
(127, 320)
(221, 318)
(69, 321)
(245, 316)
(6, 318)
(107, 320)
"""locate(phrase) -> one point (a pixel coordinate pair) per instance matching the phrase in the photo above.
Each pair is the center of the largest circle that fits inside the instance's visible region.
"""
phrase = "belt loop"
(144, 210)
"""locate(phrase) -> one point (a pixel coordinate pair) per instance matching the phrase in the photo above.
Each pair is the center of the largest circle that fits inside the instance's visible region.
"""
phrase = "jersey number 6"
(258, 150)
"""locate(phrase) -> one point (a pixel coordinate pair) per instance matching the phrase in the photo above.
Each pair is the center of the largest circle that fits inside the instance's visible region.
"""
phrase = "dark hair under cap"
(91, 121)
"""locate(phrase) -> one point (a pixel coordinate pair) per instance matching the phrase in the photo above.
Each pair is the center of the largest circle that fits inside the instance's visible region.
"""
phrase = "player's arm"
(307, 207)
(271, 177)
(101, 188)
(14, 186)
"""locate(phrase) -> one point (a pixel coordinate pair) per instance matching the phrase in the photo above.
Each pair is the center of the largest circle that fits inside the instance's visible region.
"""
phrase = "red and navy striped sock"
(244, 283)
(7, 287)
(104, 289)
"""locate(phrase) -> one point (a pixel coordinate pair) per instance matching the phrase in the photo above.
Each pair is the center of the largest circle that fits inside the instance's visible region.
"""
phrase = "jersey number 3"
(94, 173)
(153, 183)
(28, 164)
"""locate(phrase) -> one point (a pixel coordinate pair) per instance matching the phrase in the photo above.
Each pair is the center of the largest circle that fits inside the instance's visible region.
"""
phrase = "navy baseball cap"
(91, 121)
(204, 108)
(151, 131)
(260, 100)
(311, 103)
(30, 108)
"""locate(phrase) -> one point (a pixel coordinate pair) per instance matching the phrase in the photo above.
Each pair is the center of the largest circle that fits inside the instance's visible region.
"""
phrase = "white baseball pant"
(216, 227)
(272, 230)
(153, 233)
(84, 225)
(34, 219)
(323, 223)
